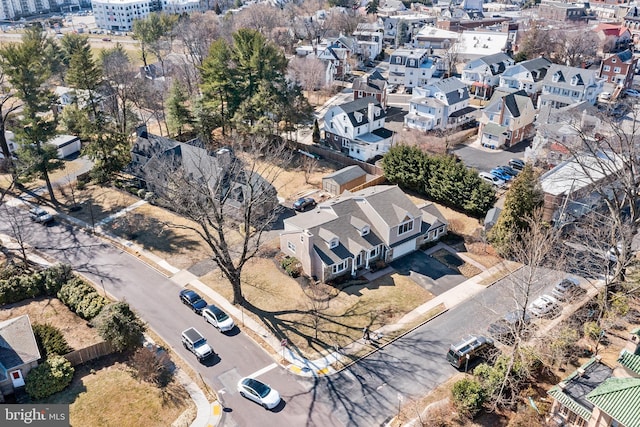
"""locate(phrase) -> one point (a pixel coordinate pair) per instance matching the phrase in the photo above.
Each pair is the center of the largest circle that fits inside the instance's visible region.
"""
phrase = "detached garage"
(67, 145)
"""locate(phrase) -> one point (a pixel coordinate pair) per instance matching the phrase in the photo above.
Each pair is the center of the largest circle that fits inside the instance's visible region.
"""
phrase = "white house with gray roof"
(357, 129)
(350, 234)
(526, 75)
(440, 105)
(410, 67)
(483, 74)
(565, 85)
(506, 120)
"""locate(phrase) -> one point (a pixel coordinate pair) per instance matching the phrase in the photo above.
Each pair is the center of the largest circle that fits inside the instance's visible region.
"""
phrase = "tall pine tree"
(179, 113)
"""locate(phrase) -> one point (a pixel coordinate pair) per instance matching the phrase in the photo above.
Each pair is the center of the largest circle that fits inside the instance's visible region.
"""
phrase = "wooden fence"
(337, 157)
(375, 181)
(88, 353)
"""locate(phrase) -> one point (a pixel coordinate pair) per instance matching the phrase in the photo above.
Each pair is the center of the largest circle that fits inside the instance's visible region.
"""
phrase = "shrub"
(82, 298)
(50, 340)
(119, 326)
(54, 375)
(47, 282)
(468, 396)
(292, 266)
(152, 365)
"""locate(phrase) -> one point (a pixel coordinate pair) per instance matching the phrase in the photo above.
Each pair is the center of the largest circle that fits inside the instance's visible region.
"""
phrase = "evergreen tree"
(179, 113)
(217, 9)
(28, 66)
(118, 325)
(522, 200)
(316, 132)
(372, 7)
(83, 72)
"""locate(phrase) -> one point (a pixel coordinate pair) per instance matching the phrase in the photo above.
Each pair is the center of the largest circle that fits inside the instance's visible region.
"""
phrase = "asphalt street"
(366, 394)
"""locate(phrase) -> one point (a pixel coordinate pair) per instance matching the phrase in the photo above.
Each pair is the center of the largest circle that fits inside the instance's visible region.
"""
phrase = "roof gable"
(17, 343)
(620, 399)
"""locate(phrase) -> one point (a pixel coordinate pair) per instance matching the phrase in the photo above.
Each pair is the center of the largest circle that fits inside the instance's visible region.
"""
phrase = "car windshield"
(260, 388)
(200, 342)
(219, 314)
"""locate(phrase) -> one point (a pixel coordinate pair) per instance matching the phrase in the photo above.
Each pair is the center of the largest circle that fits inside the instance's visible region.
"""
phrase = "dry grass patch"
(291, 182)
(96, 202)
(52, 311)
(112, 397)
(315, 318)
(150, 227)
(505, 269)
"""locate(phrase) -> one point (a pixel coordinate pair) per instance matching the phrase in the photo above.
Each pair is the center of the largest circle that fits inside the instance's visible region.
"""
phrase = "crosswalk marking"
(263, 370)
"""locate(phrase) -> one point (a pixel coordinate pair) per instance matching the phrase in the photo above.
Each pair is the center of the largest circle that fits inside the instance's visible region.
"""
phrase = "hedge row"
(45, 282)
(82, 298)
(52, 376)
(50, 340)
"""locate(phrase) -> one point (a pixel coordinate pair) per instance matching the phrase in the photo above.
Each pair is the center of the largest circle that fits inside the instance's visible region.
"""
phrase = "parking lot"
(428, 272)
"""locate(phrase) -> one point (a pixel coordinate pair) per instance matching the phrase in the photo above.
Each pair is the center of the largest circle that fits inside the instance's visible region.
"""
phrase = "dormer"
(329, 238)
(360, 225)
(358, 116)
(557, 77)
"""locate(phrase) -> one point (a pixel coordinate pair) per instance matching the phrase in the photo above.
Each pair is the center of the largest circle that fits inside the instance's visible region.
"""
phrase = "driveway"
(428, 272)
(484, 159)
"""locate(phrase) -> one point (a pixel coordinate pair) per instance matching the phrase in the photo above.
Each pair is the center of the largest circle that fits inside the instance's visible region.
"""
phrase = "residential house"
(357, 129)
(597, 395)
(506, 120)
(565, 85)
(410, 67)
(372, 85)
(614, 37)
(573, 180)
(349, 234)
(619, 69)
(369, 39)
(221, 171)
(632, 22)
(18, 353)
(391, 7)
(558, 11)
(343, 180)
(440, 105)
(11, 143)
(526, 75)
(414, 21)
(338, 51)
(482, 75)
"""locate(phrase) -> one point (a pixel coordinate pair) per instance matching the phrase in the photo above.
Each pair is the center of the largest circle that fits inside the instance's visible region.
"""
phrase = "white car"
(259, 392)
(492, 179)
(218, 318)
(604, 96)
(545, 306)
(632, 93)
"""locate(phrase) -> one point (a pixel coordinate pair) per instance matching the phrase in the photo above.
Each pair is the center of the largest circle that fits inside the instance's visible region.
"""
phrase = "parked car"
(196, 343)
(192, 300)
(37, 214)
(492, 179)
(303, 203)
(545, 306)
(604, 96)
(509, 170)
(469, 348)
(619, 111)
(516, 164)
(500, 174)
(632, 93)
(567, 289)
(505, 329)
(218, 318)
(259, 392)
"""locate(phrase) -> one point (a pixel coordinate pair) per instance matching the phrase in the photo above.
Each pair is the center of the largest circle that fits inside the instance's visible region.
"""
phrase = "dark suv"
(192, 300)
(303, 203)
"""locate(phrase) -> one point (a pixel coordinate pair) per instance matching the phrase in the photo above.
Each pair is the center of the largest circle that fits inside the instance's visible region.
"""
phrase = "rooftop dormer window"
(556, 77)
(365, 230)
(333, 243)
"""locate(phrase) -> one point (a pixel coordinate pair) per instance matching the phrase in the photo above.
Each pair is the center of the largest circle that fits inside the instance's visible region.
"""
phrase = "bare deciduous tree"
(229, 197)
(309, 71)
(575, 47)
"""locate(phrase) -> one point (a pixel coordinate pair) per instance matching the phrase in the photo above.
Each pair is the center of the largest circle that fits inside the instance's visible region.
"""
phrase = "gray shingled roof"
(17, 343)
(499, 58)
(567, 74)
(361, 106)
(454, 89)
(347, 174)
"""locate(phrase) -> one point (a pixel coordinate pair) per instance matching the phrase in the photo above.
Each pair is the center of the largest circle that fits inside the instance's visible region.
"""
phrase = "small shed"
(344, 179)
(67, 145)
(491, 218)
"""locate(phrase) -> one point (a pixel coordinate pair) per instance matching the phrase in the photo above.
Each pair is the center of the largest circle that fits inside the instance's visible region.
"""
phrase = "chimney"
(633, 345)
(371, 112)
(141, 131)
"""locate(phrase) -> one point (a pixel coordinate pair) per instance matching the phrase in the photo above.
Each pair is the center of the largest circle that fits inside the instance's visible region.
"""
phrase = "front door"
(359, 260)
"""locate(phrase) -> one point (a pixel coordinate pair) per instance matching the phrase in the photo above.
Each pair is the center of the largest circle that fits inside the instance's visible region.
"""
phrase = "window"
(334, 243)
(616, 69)
(345, 143)
(291, 247)
(337, 268)
(405, 227)
(374, 252)
(606, 68)
(365, 230)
